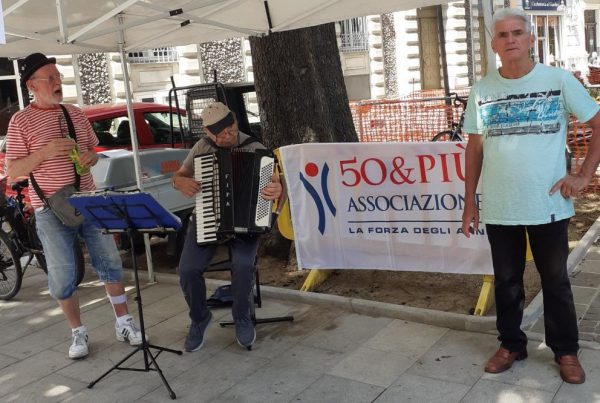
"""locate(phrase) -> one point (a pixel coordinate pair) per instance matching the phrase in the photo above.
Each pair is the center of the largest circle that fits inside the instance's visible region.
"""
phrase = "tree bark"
(300, 87)
(301, 95)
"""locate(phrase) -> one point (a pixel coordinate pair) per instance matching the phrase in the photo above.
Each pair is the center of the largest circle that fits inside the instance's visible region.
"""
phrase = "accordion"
(229, 201)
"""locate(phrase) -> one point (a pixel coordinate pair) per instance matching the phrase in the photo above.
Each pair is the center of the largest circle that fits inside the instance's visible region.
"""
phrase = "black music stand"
(131, 212)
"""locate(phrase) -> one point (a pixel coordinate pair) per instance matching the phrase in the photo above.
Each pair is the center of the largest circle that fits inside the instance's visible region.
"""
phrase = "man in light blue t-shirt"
(517, 120)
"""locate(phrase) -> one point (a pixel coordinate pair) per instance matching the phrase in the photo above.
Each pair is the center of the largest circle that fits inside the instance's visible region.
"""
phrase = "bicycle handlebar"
(458, 100)
(20, 185)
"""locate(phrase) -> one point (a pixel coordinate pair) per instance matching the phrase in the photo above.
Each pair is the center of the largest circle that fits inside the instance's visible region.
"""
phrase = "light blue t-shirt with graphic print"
(524, 124)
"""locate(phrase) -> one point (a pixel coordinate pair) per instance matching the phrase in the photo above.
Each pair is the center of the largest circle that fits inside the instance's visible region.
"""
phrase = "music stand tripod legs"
(149, 357)
(130, 213)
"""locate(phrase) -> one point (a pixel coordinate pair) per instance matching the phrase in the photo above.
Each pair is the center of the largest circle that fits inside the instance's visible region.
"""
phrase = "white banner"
(395, 206)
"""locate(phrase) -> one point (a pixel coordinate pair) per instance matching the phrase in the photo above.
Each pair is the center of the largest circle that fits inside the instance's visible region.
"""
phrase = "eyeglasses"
(229, 130)
(50, 79)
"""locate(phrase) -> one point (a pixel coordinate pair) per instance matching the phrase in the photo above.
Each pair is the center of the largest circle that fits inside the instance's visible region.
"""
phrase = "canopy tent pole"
(134, 143)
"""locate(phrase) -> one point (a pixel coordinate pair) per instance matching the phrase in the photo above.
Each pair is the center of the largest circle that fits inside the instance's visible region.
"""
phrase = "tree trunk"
(300, 87)
(301, 95)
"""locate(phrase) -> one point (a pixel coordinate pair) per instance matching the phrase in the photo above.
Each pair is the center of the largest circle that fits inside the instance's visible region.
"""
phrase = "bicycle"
(455, 133)
(18, 239)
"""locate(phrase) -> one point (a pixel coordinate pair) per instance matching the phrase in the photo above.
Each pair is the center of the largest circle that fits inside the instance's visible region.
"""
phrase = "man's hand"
(571, 185)
(186, 185)
(273, 189)
(470, 218)
(88, 158)
(59, 147)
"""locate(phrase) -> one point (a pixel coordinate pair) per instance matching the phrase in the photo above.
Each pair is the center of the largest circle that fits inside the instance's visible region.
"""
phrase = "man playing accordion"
(221, 133)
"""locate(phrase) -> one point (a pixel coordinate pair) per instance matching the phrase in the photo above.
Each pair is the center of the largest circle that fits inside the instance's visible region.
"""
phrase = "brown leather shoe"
(503, 360)
(570, 369)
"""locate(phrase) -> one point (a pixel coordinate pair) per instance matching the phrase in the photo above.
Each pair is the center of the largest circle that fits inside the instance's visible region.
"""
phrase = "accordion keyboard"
(207, 201)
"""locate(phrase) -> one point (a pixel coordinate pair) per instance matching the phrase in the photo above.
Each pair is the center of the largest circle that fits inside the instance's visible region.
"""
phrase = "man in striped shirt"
(38, 143)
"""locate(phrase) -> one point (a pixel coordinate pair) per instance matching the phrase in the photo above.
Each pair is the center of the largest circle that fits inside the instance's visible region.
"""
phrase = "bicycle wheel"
(446, 135)
(79, 261)
(11, 274)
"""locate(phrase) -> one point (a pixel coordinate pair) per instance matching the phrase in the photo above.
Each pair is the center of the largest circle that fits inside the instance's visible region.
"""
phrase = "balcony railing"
(353, 35)
(156, 55)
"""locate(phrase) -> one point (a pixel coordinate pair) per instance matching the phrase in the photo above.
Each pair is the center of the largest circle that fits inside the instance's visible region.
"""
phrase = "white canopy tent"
(79, 26)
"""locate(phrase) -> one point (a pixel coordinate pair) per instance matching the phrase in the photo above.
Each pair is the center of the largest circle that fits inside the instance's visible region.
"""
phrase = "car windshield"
(115, 131)
(160, 126)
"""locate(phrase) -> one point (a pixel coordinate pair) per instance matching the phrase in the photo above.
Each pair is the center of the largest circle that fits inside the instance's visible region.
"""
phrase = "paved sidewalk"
(327, 354)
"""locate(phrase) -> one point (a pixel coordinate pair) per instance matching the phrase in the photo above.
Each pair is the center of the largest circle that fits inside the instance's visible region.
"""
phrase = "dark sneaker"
(195, 338)
(245, 334)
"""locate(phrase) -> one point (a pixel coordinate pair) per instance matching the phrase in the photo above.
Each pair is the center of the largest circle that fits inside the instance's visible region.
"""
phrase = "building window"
(156, 55)
(353, 33)
(547, 44)
(591, 44)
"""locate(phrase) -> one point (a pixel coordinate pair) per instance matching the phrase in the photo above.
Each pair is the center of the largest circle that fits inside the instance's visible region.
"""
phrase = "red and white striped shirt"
(31, 129)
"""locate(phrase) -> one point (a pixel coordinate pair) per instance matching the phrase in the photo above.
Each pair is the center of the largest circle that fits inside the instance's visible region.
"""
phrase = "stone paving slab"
(51, 388)
(331, 389)
(384, 367)
(487, 391)
(586, 279)
(416, 388)
(457, 357)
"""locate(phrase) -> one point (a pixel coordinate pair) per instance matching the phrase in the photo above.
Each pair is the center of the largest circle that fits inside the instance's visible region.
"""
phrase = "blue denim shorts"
(58, 239)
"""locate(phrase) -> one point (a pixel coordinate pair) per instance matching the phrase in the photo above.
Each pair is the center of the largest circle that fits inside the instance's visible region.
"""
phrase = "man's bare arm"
(184, 182)
(571, 185)
(473, 164)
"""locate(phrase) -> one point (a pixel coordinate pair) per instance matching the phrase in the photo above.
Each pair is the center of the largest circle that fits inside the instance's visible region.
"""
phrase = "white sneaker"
(130, 332)
(79, 345)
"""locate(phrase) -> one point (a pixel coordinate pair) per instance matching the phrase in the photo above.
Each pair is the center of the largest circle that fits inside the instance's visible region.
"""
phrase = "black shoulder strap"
(37, 188)
(69, 123)
(74, 137)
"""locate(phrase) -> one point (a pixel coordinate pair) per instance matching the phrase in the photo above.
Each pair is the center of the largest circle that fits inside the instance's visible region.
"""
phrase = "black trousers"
(550, 248)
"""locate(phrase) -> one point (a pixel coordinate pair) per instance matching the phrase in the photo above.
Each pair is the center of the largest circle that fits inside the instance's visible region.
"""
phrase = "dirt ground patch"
(444, 292)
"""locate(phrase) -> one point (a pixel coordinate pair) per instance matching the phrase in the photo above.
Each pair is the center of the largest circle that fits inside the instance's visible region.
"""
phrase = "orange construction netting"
(418, 117)
(421, 115)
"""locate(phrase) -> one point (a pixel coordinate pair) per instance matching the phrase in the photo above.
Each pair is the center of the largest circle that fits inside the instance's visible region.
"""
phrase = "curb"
(450, 320)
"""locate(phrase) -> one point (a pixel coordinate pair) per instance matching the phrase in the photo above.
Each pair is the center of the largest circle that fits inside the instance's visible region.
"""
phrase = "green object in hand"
(74, 155)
